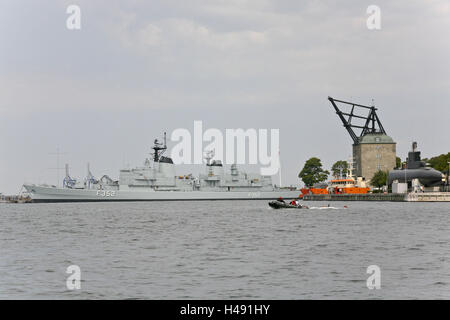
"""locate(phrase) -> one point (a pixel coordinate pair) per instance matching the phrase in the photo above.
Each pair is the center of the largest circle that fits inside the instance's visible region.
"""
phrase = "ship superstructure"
(157, 180)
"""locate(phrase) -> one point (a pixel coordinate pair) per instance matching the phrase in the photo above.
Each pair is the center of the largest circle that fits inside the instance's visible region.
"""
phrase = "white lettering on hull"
(106, 193)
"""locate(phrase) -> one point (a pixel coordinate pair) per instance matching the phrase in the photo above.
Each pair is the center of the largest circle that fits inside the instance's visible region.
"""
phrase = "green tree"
(379, 179)
(398, 163)
(339, 167)
(312, 172)
(439, 162)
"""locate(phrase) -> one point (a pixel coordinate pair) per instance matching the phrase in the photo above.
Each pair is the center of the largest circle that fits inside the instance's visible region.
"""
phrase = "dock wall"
(398, 197)
(429, 197)
(355, 197)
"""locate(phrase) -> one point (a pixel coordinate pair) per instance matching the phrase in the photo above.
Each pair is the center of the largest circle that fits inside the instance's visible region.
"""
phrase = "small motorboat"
(277, 204)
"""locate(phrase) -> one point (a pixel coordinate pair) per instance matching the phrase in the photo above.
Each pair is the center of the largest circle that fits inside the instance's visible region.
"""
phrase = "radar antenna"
(158, 149)
(90, 179)
(68, 181)
(208, 156)
(372, 122)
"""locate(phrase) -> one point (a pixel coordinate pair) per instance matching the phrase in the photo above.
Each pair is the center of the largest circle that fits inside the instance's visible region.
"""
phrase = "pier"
(394, 197)
(428, 197)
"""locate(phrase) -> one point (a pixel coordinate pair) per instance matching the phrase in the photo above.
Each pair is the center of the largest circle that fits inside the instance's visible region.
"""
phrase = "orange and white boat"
(316, 189)
(347, 185)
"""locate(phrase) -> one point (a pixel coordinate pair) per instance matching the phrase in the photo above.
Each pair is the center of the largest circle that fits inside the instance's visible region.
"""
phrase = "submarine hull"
(428, 177)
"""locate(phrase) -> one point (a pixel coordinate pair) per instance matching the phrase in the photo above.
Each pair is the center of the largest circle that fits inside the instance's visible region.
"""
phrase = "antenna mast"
(57, 154)
(159, 148)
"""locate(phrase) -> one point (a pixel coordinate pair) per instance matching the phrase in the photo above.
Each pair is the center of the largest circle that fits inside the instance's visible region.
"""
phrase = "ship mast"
(58, 154)
(208, 156)
(159, 148)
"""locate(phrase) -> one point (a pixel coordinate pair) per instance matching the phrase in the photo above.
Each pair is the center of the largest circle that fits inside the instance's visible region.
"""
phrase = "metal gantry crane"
(372, 122)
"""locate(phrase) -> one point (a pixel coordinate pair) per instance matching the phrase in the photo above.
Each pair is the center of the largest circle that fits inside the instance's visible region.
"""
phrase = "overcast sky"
(138, 68)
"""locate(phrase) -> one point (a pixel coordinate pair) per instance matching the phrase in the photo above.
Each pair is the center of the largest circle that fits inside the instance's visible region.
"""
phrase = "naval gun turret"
(417, 169)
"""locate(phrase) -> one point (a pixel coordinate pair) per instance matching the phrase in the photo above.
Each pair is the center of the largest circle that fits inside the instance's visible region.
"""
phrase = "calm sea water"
(224, 250)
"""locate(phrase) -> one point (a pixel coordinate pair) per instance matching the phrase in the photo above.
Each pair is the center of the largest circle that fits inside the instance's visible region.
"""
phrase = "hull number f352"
(106, 193)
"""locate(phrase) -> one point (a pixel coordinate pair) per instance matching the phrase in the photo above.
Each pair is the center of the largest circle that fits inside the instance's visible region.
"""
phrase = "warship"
(157, 180)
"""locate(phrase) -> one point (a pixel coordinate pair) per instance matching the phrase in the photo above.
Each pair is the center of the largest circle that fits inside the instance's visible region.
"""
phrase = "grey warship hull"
(158, 181)
(51, 194)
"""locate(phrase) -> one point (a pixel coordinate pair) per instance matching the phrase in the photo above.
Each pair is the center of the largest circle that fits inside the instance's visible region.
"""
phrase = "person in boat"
(294, 203)
(280, 199)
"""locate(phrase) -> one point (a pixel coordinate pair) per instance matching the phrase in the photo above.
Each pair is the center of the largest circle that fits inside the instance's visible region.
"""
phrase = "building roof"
(375, 139)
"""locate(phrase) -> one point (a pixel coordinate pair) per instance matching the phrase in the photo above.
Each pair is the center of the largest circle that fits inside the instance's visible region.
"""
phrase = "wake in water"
(320, 208)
